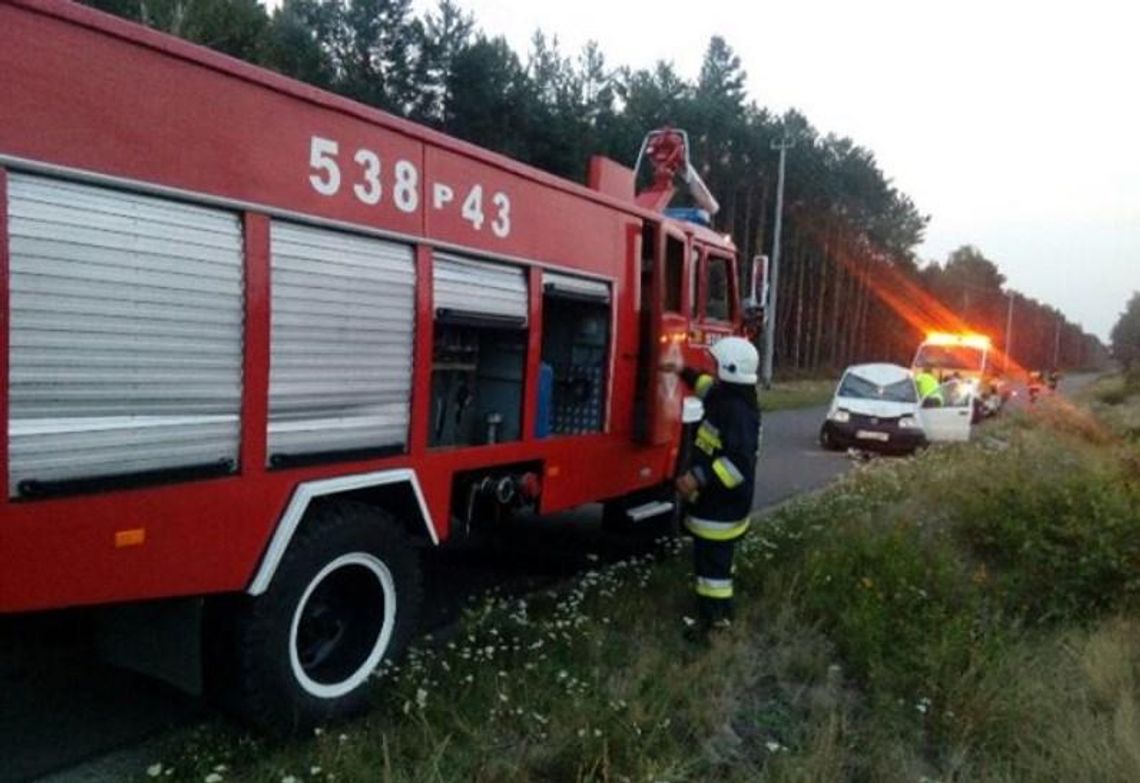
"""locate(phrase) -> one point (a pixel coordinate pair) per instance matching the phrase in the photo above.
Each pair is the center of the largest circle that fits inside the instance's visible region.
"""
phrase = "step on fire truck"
(261, 342)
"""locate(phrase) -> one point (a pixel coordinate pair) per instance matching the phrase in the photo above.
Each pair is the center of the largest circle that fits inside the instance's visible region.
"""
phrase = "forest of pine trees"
(851, 286)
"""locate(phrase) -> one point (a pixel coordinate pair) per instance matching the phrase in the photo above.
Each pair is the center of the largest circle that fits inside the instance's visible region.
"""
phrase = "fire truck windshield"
(950, 357)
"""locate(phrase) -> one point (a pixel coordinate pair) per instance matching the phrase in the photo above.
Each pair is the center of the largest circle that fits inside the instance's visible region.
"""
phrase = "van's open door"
(951, 420)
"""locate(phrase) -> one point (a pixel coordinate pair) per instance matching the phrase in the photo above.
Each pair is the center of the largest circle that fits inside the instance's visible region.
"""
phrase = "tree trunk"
(821, 300)
(837, 301)
(797, 349)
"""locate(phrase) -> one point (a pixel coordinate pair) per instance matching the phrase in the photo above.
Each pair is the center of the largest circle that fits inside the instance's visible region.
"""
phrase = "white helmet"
(736, 360)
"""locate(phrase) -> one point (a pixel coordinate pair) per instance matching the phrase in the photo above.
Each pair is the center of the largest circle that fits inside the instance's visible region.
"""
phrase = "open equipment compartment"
(575, 352)
(479, 352)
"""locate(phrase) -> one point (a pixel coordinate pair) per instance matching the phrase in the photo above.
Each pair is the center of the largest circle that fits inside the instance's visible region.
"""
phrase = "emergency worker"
(720, 482)
(928, 386)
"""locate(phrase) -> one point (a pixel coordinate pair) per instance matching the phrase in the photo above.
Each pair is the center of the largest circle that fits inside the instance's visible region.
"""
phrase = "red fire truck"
(261, 342)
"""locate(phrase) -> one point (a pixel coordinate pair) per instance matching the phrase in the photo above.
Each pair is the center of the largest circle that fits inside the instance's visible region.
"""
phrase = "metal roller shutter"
(126, 334)
(465, 287)
(343, 313)
(575, 287)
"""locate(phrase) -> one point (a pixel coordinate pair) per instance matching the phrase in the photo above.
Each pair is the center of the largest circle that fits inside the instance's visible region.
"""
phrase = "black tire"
(346, 595)
(826, 439)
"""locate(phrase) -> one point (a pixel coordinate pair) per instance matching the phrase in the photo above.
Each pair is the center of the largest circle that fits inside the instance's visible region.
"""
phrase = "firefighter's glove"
(688, 487)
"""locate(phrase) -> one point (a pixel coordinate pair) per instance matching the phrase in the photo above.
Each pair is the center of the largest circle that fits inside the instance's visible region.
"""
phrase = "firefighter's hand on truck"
(687, 485)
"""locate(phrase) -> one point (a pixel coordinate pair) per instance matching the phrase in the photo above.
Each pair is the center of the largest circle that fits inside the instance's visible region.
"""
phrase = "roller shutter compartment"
(478, 291)
(341, 344)
(573, 287)
(126, 336)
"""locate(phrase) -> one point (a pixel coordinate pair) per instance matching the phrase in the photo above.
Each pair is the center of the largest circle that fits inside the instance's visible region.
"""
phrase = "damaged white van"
(877, 407)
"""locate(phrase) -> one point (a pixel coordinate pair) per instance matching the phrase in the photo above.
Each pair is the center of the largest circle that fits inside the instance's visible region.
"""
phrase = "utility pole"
(1057, 345)
(1008, 334)
(783, 145)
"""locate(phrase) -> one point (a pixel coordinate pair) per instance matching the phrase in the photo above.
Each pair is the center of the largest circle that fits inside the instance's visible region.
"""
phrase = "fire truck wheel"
(346, 595)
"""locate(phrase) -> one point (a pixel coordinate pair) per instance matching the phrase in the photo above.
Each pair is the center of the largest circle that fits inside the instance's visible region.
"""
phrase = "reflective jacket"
(724, 451)
(927, 386)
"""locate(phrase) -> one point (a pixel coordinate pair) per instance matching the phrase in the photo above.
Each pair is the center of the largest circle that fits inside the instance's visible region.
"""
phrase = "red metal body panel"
(255, 369)
(3, 330)
(91, 96)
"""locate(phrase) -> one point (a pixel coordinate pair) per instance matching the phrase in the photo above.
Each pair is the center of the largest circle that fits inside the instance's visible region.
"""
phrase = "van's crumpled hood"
(881, 374)
(883, 409)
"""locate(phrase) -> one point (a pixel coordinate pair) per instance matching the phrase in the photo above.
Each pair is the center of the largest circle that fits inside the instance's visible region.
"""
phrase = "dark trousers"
(712, 565)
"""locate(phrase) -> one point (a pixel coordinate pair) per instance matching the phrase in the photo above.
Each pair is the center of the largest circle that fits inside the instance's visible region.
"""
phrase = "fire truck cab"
(260, 342)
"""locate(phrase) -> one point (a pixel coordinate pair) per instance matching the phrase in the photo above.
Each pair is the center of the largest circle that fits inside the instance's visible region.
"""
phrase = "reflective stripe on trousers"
(712, 567)
(714, 588)
(716, 531)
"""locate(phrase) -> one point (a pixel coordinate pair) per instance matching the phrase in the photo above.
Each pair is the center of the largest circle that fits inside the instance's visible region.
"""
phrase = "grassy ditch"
(966, 615)
(806, 393)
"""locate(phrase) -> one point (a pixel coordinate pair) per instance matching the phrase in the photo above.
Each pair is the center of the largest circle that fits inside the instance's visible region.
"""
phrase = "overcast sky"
(1016, 125)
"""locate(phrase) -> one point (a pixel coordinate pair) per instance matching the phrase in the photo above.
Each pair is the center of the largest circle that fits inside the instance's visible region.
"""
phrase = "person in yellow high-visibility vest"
(928, 386)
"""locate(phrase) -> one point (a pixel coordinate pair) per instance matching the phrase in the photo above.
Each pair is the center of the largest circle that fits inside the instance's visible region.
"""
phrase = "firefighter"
(721, 480)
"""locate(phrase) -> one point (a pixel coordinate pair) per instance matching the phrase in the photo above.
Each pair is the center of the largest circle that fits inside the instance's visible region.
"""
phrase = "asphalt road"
(65, 715)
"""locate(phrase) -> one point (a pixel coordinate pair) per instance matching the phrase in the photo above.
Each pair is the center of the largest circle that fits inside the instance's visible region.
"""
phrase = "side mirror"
(755, 303)
(757, 291)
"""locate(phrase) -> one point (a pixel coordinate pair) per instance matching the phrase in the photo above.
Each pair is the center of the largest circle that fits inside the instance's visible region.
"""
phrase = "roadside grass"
(804, 393)
(969, 614)
(1109, 397)
(1112, 388)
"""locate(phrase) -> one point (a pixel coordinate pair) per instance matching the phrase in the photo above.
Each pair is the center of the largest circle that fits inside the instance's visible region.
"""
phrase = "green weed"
(965, 615)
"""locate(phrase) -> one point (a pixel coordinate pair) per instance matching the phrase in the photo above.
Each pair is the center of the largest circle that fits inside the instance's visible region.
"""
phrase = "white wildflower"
(314, 771)
(154, 770)
(213, 777)
(421, 698)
